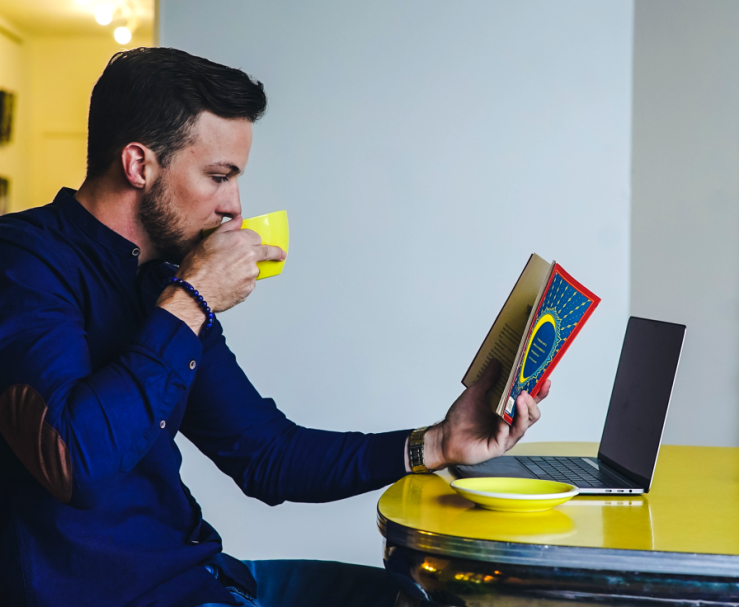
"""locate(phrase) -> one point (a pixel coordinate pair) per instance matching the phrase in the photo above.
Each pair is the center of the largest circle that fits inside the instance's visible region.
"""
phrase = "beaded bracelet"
(173, 280)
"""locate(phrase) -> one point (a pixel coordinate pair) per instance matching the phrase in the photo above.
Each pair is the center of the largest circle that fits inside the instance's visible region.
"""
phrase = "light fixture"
(122, 35)
(104, 13)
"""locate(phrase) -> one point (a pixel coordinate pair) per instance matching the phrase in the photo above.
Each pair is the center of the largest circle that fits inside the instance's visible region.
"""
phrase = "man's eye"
(220, 178)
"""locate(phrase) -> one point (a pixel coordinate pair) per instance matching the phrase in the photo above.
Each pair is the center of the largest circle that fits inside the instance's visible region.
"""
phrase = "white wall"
(423, 149)
(685, 222)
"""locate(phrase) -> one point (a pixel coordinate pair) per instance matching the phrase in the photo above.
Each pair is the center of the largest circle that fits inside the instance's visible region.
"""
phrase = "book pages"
(504, 339)
(503, 404)
(561, 310)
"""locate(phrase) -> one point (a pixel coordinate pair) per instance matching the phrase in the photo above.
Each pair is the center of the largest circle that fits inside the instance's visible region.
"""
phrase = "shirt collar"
(93, 228)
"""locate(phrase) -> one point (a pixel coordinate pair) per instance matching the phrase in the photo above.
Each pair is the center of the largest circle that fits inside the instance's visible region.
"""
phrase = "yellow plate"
(514, 494)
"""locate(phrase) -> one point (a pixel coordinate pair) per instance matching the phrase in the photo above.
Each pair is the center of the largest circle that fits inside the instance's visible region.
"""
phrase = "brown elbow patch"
(39, 446)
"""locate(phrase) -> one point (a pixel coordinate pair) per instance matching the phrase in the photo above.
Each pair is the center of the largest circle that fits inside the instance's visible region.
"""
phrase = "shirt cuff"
(173, 342)
(387, 456)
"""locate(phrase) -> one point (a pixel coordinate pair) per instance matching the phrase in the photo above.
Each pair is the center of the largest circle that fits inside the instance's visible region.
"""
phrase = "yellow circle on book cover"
(543, 339)
(274, 230)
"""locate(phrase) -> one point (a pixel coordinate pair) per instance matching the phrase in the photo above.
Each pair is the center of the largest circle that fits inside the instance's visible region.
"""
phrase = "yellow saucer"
(514, 494)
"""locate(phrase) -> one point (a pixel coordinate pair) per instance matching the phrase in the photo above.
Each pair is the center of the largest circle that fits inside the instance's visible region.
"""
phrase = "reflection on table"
(679, 542)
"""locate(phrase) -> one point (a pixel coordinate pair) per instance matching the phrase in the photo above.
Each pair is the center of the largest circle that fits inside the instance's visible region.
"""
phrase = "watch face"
(415, 450)
(416, 457)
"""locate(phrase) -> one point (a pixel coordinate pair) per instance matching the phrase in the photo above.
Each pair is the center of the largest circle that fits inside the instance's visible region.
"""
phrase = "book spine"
(503, 404)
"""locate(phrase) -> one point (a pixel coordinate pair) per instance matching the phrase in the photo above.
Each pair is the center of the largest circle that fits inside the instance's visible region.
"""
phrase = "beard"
(162, 224)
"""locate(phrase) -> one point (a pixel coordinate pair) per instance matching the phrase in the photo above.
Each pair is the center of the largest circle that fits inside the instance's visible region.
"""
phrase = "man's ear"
(138, 162)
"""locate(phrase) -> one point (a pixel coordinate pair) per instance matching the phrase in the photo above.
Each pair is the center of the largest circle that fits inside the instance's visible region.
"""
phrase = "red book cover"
(564, 307)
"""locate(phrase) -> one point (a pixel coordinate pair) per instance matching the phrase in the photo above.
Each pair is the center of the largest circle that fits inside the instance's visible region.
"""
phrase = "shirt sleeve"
(75, 428)
(272, 458)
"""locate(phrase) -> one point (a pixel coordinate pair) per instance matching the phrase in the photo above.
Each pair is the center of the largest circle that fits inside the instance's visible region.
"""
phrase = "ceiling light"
(104, 13)
(122, 35)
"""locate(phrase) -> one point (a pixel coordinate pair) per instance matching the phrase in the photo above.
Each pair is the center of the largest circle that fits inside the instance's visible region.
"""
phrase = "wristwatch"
(415, 451)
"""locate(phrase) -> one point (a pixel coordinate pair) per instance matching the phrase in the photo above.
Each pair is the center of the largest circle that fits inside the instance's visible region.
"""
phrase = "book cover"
(563, 308)
(504, 339)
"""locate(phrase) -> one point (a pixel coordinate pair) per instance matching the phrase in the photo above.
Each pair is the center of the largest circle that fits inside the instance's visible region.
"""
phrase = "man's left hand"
(472, 432)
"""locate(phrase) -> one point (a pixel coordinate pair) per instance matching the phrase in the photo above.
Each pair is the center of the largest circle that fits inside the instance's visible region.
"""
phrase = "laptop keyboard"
(570, 470)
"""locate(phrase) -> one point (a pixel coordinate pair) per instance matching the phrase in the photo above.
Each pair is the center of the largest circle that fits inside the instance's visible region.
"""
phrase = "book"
(538, 322)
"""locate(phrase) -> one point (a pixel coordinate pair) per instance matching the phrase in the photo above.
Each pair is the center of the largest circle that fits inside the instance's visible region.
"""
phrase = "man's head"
(179, 127)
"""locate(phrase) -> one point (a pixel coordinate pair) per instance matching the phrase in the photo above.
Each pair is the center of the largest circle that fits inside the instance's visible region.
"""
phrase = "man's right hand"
(223, 268)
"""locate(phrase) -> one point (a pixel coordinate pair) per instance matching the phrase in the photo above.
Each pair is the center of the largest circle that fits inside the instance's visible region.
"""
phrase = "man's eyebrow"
(232, 168)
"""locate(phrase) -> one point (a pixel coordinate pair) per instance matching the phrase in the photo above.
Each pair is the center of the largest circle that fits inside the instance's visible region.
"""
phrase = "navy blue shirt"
(95, 382)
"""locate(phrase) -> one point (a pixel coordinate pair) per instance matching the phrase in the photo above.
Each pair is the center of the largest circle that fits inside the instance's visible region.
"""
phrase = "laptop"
(634, 424)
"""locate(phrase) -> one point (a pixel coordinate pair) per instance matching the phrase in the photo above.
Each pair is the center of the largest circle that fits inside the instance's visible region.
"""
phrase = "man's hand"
(471, 431)
(223, 268)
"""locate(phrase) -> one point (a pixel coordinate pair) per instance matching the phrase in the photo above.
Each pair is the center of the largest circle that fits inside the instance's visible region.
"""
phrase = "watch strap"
(415, 451)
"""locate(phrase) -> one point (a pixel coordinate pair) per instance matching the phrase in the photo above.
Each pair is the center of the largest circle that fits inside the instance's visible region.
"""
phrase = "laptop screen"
(640, 397)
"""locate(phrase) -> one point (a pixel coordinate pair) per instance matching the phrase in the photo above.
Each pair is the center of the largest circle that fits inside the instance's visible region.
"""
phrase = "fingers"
(263, 252)
(231, 226)
(544, 392)
(489, 376)
(534, 411)
(527, 414)
(269, 253)
(521, 421)
(227, 226)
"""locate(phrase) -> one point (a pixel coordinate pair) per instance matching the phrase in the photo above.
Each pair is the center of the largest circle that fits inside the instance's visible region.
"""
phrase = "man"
(101, 365)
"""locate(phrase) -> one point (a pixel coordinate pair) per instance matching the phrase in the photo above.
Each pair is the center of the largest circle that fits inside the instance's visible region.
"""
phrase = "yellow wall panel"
(63, 71)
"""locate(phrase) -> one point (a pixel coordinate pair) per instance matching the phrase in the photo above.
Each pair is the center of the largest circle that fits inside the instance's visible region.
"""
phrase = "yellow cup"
(274, 231)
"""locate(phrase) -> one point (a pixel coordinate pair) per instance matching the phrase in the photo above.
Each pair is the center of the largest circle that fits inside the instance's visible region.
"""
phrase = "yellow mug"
(274, 231)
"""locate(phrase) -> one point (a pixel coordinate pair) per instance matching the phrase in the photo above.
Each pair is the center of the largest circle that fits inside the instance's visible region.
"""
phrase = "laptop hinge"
(619, 472)
(606, 469)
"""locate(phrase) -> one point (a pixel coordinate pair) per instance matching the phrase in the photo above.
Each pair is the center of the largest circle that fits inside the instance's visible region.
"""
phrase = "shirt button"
(162, 424)
(193, 364)
(136, 252)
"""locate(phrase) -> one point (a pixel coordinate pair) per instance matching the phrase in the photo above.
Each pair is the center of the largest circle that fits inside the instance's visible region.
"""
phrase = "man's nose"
(231, 206)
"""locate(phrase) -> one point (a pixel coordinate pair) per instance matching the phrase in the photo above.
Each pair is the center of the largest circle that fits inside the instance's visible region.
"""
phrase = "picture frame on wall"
(7, 110)
(4, 198)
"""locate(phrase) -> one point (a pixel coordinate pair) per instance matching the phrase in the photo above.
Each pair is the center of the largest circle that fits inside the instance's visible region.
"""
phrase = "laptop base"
(586, 473)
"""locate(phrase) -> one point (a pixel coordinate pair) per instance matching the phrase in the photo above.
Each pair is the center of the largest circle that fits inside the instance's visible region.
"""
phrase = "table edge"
(549, 555)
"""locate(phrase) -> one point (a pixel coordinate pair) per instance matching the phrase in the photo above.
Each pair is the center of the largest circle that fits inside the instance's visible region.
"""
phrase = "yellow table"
(679, 542)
